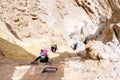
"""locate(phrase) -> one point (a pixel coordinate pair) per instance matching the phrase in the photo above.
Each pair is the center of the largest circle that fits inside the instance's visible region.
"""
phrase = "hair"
(41, 50)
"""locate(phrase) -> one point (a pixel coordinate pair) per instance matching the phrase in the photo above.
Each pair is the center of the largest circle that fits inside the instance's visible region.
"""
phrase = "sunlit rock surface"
(94, 24)
(36, 24)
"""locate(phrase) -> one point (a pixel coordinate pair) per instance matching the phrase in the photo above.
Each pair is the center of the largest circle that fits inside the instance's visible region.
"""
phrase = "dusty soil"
(35, 73)
(7, 68)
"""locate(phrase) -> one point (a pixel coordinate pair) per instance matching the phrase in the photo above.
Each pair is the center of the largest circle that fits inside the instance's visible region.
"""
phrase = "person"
(43, 57)
(54, 47)
(75, 46)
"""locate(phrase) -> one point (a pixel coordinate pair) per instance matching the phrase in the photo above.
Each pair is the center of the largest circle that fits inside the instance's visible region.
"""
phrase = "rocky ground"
(30, 25)
(71, 68)
(35, 73)
(6, 68)
(23, 70)
(91, 70)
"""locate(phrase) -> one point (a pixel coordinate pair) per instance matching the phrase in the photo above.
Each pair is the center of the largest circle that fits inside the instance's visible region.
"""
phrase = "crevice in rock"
(16, 20)
(106, 36)
(85, 7)
(112, 5)
(116, 31)
(22, 10)
(34, 18)
(119, 2)
(102, 5)
(2, 56)
(33, 15)
(78, 3)
(92, 56)
(12, 31)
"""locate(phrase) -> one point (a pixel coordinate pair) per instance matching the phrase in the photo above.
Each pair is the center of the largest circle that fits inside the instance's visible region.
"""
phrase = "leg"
(55, 49)
(39, 57)
(46, 59)
(52, 49)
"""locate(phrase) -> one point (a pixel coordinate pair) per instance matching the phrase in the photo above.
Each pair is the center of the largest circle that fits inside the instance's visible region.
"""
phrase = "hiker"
(54, 47)
(75, 46)
(43, 56)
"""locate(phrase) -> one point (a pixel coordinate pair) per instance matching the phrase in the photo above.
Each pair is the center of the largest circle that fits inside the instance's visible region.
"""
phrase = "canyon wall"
(36, 24)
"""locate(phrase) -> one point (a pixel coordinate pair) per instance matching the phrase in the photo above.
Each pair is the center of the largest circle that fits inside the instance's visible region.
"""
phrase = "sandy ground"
(35, 73)
(8, 68)
(72, 69)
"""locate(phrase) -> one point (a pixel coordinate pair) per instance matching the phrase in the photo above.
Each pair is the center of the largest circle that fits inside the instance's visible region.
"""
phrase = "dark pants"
(39, 57)
(53, 49)
(74, 48)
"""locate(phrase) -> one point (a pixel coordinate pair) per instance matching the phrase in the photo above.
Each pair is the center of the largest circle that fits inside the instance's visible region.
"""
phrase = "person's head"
(41, 50)
(55, 44)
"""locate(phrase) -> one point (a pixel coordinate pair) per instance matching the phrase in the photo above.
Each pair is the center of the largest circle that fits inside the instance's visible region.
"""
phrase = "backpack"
(46, 52)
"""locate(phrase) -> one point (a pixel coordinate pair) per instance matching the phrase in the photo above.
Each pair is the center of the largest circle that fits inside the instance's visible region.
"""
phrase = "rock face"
(97, 50)
(35, 25)
(94, 24)
(110, 38)
(91, 70)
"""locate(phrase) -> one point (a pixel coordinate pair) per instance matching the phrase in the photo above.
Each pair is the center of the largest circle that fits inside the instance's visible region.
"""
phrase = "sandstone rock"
(98, 50)
(34, 25)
